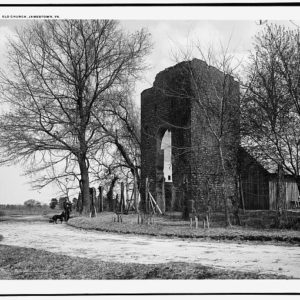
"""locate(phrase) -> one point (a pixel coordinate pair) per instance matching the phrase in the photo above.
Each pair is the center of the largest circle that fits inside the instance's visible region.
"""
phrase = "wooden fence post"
(122, 197)
(100, 198)
(127, 200)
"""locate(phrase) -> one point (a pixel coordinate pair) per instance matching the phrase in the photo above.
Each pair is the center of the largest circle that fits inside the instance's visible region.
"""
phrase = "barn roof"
(269, 166)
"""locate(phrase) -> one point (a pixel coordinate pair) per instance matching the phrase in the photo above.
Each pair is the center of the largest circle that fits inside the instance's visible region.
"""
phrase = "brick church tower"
(197, 104)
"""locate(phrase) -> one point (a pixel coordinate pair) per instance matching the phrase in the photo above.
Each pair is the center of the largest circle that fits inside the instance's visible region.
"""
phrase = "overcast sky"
(167, 36)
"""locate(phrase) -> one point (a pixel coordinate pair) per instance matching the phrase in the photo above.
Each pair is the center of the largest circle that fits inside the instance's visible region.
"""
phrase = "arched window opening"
(166, 146)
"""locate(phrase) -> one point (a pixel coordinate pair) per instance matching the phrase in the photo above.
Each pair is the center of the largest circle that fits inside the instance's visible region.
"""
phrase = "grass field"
(27, 263)
(174, 227)
(171, 226)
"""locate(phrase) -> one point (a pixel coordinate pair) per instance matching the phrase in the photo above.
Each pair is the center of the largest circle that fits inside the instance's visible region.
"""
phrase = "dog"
(60, 217)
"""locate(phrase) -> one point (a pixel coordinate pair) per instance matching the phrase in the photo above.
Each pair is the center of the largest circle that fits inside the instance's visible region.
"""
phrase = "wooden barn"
(291, 191)
(258, 186)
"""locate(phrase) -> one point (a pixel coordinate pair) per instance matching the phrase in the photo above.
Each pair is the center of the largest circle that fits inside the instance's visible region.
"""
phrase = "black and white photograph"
(150, 147)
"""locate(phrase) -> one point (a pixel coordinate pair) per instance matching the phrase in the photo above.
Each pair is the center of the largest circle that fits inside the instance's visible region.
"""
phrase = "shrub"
(290, 223)
(2, 213)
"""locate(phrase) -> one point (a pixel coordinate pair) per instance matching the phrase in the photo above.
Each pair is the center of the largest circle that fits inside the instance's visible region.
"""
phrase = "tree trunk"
(225, 194)
(136, 194)
(146, 208)
(110, 194)
(85, 188)
(122, 200)
(79, 201)
(186, 198)
(100, 199)
(225, 198)
(138, 179)
(93, 201)
(280, 196)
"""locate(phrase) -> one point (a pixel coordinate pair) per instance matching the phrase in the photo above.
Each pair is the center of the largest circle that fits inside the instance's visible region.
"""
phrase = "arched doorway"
(166, 145)
(164, 175)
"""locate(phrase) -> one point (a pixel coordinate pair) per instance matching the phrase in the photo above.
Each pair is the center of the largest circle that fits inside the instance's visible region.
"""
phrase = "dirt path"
(60, 238)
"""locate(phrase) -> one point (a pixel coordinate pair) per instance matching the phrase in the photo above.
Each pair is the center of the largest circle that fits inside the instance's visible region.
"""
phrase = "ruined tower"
(196, 103)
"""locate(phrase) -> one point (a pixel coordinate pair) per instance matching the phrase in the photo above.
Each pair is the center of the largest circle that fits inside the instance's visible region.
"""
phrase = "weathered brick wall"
(163, 107)
(173, 103)
(210, 88)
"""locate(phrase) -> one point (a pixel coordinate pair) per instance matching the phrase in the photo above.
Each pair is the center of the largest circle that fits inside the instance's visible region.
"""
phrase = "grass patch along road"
(28, 263)
(177, 228)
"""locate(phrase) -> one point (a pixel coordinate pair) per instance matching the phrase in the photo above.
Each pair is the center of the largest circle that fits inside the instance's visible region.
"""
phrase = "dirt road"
(61, 238)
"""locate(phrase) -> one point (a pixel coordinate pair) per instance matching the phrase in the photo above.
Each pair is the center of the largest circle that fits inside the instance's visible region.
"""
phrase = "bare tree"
(123, 132)
(271, 106)
(60, 75)
(119, 154)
